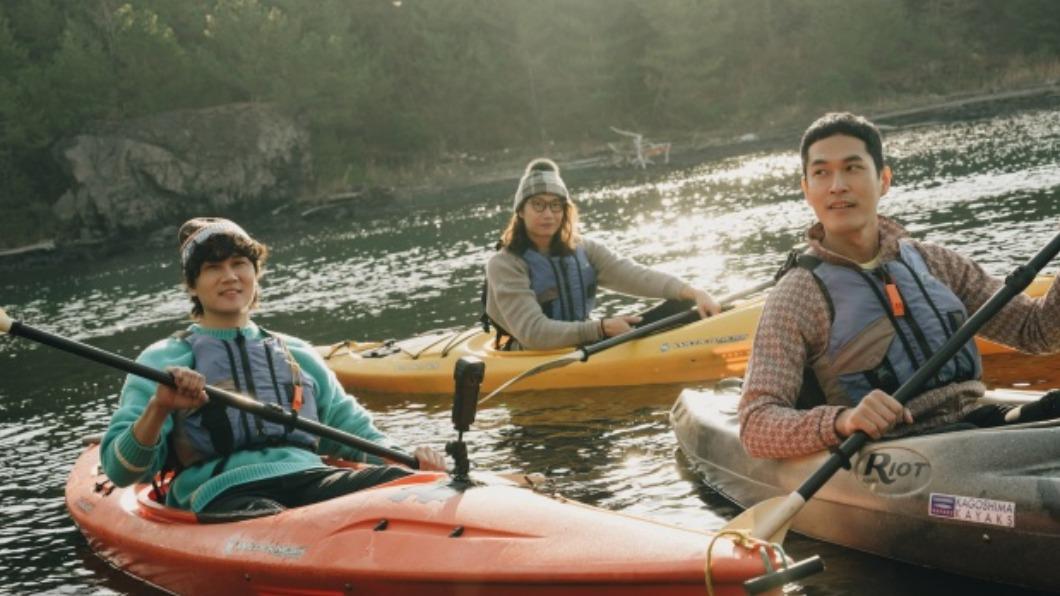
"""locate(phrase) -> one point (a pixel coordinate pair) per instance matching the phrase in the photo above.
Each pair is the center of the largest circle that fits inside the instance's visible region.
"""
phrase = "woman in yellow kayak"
(542, 282)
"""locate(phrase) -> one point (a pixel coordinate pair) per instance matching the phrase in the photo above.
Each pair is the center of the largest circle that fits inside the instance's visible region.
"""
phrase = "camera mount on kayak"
(467, 377)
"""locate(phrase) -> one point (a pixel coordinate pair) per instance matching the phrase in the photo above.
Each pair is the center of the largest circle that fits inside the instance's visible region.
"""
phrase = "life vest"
(263, 369)
(886, 324)
(565, 286)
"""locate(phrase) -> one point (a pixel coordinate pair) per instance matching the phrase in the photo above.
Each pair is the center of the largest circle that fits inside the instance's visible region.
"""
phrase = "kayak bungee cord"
(457, 338)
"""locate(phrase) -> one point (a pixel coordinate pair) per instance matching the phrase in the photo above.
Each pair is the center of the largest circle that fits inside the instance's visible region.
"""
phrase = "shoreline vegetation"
(419, 100)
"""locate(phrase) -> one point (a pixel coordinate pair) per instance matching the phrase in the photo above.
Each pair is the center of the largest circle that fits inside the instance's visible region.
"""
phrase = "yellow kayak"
(705, 350)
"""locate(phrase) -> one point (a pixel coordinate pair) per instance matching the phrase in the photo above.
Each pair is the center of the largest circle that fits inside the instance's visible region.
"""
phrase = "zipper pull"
(893, 295)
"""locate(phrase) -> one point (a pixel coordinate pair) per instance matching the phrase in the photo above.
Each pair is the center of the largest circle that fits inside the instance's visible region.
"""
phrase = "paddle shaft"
(1015, 283)
(582, 354)
(675, 320)
(269, 412)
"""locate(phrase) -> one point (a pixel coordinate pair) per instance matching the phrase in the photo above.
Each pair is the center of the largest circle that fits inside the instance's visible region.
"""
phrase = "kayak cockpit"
(144, 499)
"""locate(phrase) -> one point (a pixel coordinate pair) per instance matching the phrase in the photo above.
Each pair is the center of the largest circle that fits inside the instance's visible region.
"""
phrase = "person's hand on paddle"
(618, 325)
(188, 394)
(705, 303)
(431, 460)
(875, 414)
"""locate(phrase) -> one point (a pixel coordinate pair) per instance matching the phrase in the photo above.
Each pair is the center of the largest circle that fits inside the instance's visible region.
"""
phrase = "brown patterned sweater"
(795, 327)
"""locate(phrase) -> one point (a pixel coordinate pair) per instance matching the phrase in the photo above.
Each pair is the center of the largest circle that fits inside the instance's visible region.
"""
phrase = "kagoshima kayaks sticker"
(973, 509)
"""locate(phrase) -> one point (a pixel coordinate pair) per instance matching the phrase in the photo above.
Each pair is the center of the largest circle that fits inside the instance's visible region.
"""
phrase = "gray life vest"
(872, 344)
(263, 369)
(565, 286)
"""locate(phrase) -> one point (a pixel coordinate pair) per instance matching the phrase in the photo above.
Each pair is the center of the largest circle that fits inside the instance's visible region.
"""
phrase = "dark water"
(988, 185)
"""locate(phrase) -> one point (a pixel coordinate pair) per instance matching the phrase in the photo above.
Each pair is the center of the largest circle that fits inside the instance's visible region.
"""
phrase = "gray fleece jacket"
(512, 304)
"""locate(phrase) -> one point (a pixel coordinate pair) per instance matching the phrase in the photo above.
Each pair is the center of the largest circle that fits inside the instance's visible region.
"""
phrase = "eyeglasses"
(555, 205)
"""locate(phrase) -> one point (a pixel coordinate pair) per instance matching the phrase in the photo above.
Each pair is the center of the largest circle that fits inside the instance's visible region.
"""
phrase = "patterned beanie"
(541, 176)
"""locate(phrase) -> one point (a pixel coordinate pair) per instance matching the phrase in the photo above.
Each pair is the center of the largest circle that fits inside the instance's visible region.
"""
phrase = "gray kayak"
(983, 503)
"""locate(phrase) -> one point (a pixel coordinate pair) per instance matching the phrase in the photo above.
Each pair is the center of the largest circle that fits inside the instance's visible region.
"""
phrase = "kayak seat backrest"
(388, 348)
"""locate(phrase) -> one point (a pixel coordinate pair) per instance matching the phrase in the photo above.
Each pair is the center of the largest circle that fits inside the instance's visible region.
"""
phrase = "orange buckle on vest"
(296, 401)
(897, 306)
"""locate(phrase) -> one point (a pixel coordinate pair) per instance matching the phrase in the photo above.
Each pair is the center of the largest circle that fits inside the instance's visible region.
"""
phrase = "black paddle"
(583, 353)
(269, 412)
(769, 519)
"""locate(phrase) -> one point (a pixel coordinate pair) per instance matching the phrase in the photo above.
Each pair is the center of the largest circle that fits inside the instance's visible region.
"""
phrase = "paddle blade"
(562, 361)
(5, 322)
(768, 520)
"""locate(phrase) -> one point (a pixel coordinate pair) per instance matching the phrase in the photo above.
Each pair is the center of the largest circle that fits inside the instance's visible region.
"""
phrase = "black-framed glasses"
(554, 205)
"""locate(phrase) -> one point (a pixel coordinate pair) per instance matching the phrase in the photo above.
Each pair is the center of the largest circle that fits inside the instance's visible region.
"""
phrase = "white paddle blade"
(770, 519)
(557, 363)
(5, 322)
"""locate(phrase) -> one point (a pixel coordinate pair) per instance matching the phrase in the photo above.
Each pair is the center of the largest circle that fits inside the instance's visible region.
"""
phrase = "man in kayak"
(228, 461)
(864, 308)
(541, 284)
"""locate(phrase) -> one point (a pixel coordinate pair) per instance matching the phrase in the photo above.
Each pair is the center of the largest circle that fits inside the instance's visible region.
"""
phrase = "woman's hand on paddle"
(431, 460)
(618, 325)
(706, 303)
(875, 414)
(188, 394)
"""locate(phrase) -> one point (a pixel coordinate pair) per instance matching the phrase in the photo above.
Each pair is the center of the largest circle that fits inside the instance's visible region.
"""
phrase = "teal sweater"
(126, 461)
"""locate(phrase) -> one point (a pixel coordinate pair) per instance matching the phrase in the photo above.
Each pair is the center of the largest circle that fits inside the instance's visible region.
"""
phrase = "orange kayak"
(418, 535)
(705, 350)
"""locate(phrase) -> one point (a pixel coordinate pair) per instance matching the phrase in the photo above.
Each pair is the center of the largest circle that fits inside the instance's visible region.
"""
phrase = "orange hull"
(511, 541)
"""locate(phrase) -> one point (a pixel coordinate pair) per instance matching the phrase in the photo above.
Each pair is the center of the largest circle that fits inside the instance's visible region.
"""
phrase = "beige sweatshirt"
(513, 305)
(795, 327)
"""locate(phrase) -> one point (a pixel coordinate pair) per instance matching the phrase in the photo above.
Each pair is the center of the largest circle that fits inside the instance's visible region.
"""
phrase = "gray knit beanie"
(541, 176)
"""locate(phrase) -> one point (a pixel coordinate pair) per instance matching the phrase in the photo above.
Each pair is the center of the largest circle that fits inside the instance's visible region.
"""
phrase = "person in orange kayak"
(229, 461)
(541, 284)
(864, 308)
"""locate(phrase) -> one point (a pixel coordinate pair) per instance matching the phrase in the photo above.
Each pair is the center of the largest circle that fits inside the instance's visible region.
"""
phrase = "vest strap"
(296, 374)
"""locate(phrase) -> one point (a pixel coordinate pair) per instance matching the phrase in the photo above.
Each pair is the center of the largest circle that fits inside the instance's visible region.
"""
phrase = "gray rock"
(138, 175)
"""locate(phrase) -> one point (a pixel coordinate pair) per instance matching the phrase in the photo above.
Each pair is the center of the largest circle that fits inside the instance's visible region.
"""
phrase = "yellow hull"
(705, 350)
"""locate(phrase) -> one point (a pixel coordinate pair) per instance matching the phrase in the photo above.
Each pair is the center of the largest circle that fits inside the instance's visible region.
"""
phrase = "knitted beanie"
(541, 176)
